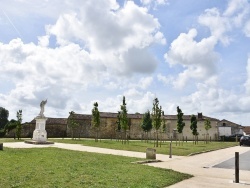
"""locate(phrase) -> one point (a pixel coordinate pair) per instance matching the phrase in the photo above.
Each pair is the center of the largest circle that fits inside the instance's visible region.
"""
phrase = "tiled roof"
(224, 120)
(246, 129)
(58, 121)
(63, 121)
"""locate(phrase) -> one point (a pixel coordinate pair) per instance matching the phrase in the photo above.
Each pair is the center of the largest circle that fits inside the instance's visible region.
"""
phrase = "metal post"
(170, 150)
(236, 167)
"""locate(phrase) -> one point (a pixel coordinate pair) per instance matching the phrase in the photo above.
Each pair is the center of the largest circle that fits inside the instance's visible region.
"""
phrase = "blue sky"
(192, 54)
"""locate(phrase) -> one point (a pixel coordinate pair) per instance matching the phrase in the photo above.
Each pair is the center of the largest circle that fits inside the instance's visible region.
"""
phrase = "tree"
(4, 115)
(124, 117)
(156, 117)
(163, 122)
(180, 123)
(146, 122)
(72, 123)
(96, 119)
(19, 124)
(10, 125)
(118, 122)
(207, 125)
(193, 126)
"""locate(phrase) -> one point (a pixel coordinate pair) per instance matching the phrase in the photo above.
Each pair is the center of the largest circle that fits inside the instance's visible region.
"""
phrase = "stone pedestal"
(40, 134)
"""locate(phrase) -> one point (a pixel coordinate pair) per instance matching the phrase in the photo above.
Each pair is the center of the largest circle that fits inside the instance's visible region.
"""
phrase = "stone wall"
(57, 127)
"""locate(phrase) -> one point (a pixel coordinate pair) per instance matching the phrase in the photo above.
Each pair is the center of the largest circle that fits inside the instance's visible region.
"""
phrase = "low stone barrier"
(150, 153)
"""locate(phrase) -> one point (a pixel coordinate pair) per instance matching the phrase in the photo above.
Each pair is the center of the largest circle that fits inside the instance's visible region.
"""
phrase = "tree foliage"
(10, 125)
(146, 122)
(180, 123)
(124, 115)
(207, 124)
(156, 117)
(72, 123)
(96, 119)
(193, 125)
(163, 122)
(118, 122)
(4, 115)
(19, 116)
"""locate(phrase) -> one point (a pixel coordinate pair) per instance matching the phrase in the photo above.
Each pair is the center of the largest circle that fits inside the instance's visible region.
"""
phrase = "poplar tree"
(146, 122)
(207, 125)
(180, 123)
(19, 124)
(72, 123)
(124, 117)
(156, 117)
(96, 120)
(193, 126)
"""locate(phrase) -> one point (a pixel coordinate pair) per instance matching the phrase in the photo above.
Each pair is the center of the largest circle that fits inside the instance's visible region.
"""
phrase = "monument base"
(40, 134)
(37, 142)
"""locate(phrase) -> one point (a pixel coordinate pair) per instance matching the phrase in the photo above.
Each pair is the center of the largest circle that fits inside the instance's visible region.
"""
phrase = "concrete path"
(199, 165)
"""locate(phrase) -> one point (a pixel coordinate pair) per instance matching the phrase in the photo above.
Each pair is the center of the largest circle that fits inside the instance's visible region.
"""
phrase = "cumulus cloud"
(118, 37)
(217, 24)
(247, 84)
(97, 44)
(221, 23)
(197, 58)
(247, 29)
(154, 3)
(165, 79)
(210, 98)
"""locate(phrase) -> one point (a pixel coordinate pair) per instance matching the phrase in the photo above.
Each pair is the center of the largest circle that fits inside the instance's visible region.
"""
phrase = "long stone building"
(58, 127)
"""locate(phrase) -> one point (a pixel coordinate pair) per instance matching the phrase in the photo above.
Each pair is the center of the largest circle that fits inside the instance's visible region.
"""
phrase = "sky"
(192, 54)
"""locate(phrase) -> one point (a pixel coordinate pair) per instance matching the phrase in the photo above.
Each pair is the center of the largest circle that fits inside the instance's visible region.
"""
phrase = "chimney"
(199, 115)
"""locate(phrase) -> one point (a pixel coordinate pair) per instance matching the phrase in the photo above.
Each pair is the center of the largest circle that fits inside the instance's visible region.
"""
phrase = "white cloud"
(247, 84)
(98, 44)
(198, 58)
(118, 37)
(165, 79)
(247, 29)
(217, 24)
(154, 3)
(221, 24)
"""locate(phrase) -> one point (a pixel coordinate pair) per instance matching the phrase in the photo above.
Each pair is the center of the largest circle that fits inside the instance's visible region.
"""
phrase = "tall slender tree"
(72, 123)
(124, 118)
(180, 123)
(19, 116)
(96, 120)
(118, 122)
(156, 117)
(146, 123)
(207, 125)
(193, 126)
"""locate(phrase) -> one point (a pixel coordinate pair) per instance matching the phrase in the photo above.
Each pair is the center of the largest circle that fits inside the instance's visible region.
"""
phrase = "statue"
(42, 104)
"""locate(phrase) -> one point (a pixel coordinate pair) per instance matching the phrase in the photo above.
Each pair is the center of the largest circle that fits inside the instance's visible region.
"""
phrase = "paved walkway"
(199, 165)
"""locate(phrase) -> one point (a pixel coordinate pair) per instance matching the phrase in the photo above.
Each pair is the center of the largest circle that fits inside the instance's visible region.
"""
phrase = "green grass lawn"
(183, 150)
(53, 167)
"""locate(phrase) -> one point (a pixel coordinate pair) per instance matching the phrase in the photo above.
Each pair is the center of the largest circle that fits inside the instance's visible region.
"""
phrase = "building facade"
(58, 127)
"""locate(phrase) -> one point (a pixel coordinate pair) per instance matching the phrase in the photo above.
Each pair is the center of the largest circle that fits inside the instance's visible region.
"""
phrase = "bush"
(2, 133)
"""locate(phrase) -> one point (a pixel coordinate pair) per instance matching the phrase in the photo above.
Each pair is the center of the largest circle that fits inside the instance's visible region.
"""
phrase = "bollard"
(236, 167)
(170, 150)
(1, 146)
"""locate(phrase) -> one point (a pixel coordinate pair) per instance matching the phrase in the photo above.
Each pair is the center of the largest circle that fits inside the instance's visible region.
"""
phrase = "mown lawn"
(53, 167)
(184, 149)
